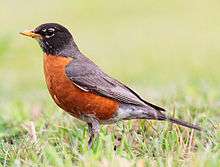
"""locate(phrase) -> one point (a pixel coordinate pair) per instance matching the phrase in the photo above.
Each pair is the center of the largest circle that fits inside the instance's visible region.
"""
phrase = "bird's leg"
(93, 130)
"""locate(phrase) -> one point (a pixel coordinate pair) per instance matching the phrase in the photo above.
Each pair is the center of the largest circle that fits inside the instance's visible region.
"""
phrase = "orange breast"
(71, 98)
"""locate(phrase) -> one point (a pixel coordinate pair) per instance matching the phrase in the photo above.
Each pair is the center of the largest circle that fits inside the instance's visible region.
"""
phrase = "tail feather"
(155, 114)
(183, 123)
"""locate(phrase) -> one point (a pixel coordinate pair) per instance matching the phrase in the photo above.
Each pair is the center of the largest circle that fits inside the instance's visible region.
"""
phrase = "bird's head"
(52, 37)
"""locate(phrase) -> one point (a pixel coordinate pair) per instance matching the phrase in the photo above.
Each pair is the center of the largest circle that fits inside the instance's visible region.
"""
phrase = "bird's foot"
(93, 130)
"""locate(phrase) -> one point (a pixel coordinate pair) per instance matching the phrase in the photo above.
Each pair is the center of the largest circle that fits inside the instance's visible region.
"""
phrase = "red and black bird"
(81, 88)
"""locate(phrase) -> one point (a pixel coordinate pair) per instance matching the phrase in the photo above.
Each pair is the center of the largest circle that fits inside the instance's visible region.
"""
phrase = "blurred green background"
(169, 51)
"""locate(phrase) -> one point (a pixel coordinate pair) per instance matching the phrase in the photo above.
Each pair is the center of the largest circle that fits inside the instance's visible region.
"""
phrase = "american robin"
(82, 89)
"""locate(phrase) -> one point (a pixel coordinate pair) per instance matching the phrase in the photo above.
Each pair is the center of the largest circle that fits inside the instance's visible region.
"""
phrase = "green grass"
(169, 51)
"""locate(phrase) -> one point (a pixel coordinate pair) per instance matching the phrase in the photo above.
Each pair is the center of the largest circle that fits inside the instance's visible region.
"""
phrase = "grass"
(166, 50)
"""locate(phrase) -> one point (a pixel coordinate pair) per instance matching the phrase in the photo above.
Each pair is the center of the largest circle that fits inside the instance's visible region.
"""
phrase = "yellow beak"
(31, 34)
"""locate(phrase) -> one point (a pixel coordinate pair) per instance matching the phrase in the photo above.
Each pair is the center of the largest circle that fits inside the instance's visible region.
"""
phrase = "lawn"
(168, 51)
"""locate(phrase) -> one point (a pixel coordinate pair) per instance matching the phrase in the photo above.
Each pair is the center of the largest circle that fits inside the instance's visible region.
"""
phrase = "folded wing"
(89, 77)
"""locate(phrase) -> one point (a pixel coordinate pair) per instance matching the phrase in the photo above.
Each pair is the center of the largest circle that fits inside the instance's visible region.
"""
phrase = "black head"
(53, 38)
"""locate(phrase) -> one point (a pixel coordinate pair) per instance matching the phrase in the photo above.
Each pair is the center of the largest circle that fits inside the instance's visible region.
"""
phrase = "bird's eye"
(49, 32)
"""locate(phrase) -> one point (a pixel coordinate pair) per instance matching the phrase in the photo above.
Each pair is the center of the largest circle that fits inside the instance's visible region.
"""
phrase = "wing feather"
(89, 77)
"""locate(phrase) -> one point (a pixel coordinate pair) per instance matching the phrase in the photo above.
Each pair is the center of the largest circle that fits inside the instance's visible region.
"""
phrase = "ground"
(168, 51)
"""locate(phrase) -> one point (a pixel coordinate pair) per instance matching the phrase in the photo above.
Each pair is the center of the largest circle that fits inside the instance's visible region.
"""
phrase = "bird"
(79, 87)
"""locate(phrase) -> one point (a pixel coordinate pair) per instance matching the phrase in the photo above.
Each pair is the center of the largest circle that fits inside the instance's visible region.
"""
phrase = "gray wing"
(89, 77)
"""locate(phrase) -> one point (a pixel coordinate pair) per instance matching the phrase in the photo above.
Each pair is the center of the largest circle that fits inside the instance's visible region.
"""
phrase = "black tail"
(183, 123)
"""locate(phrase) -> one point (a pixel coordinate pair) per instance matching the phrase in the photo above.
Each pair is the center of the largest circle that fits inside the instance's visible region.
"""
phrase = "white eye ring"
(51, 29)
(48, 36)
